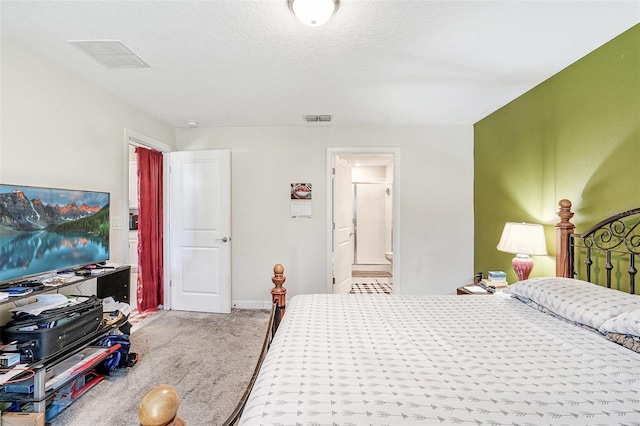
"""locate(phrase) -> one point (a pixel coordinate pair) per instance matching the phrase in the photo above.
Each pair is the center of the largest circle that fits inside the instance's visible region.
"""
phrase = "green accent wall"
(574, 136)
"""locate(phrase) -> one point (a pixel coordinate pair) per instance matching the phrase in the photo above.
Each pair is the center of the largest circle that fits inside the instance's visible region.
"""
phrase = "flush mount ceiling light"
(313, 12)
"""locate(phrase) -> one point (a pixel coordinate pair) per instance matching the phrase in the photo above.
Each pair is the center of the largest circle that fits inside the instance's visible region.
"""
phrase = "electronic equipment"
(49, 229)
(133, 221)
(20, 387)
(9, 359)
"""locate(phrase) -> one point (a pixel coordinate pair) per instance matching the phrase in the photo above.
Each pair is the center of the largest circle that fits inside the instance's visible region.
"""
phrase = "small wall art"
(301, 200)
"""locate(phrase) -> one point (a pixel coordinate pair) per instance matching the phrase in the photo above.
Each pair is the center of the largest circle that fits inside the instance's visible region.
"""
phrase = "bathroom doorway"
(374, 219)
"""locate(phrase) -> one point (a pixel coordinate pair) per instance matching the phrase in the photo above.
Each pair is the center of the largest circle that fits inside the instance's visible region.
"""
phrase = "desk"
(110, 282)
(115, 284)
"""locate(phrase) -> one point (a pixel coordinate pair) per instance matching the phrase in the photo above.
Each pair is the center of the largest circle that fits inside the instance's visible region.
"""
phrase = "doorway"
(199, 171)
(373, 219)
(132, 140)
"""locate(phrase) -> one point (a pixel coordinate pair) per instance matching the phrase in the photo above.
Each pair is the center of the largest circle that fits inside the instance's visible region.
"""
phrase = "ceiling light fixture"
(313, 12)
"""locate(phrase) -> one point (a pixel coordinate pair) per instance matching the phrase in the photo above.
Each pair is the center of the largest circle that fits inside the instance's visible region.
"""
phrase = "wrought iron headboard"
(614, 240)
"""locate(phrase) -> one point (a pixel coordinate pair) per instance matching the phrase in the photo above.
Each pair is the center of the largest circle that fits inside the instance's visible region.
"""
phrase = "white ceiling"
(251, 63)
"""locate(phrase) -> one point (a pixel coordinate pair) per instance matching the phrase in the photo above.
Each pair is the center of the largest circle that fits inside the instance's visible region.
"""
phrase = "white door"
(342, 226)
(200, 231)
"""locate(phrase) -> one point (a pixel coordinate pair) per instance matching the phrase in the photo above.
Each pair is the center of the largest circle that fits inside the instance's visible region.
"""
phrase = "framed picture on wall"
(301, 200)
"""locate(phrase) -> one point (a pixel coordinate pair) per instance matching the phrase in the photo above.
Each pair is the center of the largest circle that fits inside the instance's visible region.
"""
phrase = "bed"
(553, 350)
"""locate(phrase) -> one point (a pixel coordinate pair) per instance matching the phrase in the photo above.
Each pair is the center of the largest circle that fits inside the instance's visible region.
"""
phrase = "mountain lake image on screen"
(50, 229)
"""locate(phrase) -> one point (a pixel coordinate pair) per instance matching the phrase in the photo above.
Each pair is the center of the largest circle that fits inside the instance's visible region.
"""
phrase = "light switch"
(116, 222)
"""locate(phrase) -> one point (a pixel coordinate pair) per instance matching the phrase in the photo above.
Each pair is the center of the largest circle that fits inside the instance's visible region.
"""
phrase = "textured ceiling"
(251, 63)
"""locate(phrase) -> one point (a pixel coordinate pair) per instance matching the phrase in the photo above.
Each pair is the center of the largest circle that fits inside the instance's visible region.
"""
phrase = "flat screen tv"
(50, 229)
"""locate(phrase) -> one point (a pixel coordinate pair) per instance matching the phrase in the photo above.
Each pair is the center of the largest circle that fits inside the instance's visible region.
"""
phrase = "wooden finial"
(278, 269)
(564, 229)
(565, 212)
(279, 293)
(159, 407)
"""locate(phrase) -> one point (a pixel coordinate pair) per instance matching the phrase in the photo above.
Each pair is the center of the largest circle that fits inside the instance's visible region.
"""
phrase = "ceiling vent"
(111, 53)
(317, 118)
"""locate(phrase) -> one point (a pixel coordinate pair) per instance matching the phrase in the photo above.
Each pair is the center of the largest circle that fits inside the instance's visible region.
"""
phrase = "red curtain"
(150, 290)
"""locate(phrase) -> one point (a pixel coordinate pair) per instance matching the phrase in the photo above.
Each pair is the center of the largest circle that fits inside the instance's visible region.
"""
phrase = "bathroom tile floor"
(371, 285)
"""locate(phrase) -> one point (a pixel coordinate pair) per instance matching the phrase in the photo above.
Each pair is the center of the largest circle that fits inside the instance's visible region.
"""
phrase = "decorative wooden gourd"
(159, 407)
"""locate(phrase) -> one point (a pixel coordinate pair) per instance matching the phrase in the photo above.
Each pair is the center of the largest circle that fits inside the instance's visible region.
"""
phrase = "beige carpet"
(208, 358)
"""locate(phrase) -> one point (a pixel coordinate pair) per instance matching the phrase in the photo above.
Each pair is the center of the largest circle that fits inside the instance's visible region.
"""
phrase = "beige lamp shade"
(523, 238)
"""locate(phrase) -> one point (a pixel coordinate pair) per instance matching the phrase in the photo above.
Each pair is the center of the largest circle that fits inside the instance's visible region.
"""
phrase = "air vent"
(111, 53)
(317, 118)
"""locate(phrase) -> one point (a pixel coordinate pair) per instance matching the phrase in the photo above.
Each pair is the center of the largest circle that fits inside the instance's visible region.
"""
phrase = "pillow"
(576, 300)
(624, 340)
(544, 310)
(625, 323)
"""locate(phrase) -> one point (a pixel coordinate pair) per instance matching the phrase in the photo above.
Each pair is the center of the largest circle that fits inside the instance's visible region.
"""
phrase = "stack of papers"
(44, 302)
(475, 289)
(495, 284)
(110, 305)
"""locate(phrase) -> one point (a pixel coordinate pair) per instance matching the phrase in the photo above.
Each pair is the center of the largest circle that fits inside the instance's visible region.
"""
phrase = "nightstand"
(463, 290)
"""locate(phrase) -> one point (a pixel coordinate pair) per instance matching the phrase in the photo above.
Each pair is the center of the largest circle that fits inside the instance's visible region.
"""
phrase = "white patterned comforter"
(425, 360)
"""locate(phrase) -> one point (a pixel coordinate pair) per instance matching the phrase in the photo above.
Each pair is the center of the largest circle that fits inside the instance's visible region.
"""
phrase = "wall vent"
(317, 118)
(111, 53)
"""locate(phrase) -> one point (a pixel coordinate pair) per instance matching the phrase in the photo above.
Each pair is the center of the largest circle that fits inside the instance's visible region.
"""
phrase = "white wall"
(60, 131)
(369, 174)
(436, 178)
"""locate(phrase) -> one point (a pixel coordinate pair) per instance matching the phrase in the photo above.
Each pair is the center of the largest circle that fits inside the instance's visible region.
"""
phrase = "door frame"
(395, 151)
(131, 137)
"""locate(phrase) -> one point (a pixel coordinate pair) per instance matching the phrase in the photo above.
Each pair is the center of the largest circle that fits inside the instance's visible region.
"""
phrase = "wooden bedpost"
(279, 293)
(563, 230)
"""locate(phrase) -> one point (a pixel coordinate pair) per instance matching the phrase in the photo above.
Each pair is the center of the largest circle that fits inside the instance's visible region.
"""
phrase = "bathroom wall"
(373, 214)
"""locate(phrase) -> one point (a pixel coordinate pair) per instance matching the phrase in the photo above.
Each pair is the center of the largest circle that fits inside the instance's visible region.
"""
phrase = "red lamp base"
(523, 265)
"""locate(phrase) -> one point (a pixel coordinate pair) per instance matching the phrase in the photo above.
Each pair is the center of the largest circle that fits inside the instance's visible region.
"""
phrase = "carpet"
(370, 274)
(208, 358)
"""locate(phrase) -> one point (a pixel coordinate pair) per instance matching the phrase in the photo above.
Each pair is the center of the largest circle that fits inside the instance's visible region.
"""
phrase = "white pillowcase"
(625, 323)
(577, 300)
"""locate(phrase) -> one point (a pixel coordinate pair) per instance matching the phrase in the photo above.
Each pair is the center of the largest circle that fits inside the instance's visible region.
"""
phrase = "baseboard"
(251, 304)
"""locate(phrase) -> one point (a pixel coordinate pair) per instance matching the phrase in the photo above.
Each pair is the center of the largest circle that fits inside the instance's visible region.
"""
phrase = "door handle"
(223, 239)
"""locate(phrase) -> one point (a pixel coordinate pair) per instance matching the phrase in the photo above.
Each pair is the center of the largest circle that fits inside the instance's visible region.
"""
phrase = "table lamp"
(523, 240)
